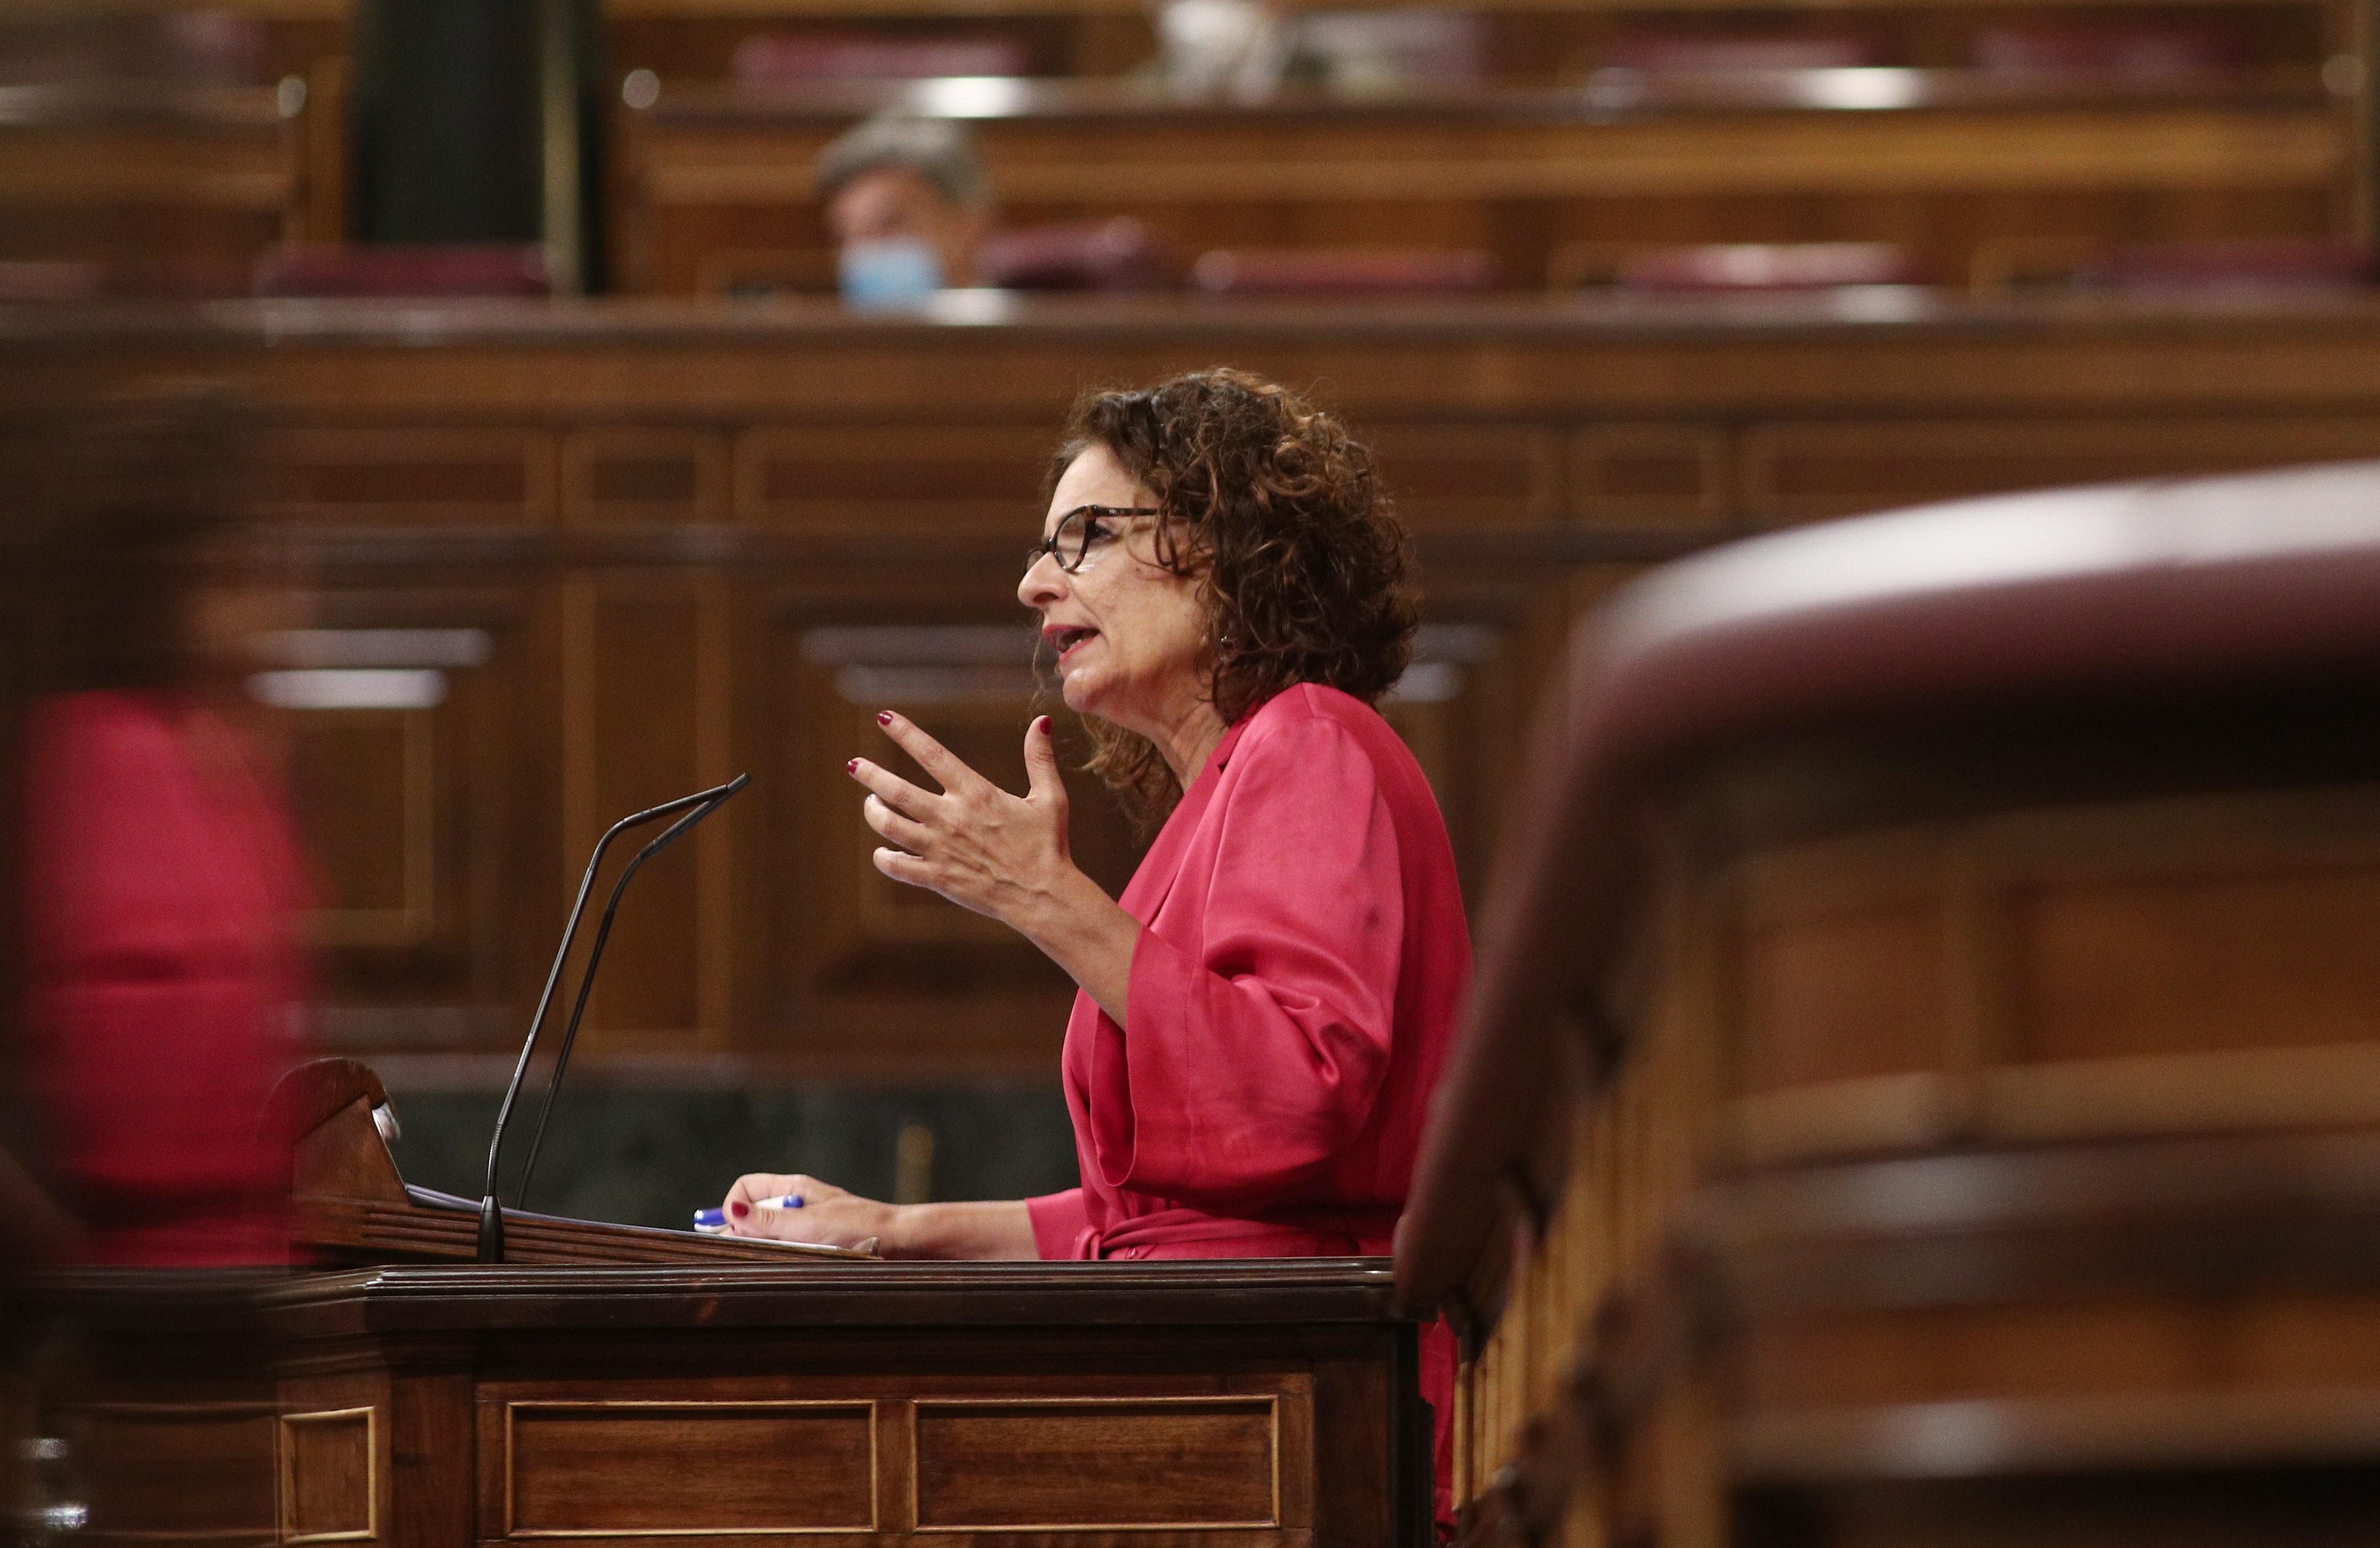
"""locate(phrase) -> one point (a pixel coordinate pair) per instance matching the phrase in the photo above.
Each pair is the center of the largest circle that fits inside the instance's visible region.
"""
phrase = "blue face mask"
(893, 272)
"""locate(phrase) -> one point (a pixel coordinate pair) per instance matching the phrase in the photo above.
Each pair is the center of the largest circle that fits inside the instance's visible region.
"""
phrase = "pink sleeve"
(1060, 1222)
(1259, 1033)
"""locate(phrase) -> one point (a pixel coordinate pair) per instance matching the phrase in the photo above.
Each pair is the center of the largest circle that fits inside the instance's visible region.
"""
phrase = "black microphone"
(492, 1216)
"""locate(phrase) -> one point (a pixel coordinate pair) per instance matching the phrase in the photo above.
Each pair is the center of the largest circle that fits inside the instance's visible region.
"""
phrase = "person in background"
(909, 206)
(164, 981)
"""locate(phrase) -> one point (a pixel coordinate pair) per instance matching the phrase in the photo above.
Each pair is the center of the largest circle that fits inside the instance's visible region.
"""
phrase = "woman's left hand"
(1003, 855)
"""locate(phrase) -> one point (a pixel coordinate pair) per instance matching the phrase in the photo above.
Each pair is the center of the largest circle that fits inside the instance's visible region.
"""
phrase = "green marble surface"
(650, 1156)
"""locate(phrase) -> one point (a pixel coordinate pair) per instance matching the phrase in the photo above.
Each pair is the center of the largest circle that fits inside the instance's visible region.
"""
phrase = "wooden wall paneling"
(185, 196)
(1543, 453)
(391, 476)
(1811, 470)
(638, 475)
(322, 151)
(1479, 664)
(1965, 235)
(374, 825)
(702, 181)
(1452, 707)
(1355, 157)
(1624, 474)
(976, 478)
(420, 761)
(1469, 475)
(646, 716)
(868, 975)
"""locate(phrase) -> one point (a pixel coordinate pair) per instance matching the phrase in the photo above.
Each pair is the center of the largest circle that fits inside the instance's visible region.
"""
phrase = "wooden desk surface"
(430, 1299)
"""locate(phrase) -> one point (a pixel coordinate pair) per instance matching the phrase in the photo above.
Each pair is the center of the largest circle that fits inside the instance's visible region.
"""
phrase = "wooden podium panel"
(632, 1389)
(348, 1204)
(1227, 1404)
(757, 1391)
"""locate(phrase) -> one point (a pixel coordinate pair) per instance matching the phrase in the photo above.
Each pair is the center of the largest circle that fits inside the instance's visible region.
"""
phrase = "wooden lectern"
(619, 1387)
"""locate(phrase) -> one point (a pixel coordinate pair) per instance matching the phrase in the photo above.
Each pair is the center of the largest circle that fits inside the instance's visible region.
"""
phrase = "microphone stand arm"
(492, 1223)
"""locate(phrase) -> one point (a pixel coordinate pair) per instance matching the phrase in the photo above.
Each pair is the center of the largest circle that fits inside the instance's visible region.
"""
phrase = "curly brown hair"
(1303, 571)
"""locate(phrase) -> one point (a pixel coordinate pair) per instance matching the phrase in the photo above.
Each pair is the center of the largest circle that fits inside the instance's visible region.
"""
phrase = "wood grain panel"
(385, 476)
(627, 475)
(645, 721)
(871, 477)
(1470, 475)
(1856, 994)
(686, 1468)
(182, 199)
(1794, 472)
(708, 174)
(974, 989)
(1650, 473)
(427, 813)
(1025, 1464)
(180, 1470)
(1353, 156)
(368, 817)
(1461, 678)
(330, 1476)
(2175, 967)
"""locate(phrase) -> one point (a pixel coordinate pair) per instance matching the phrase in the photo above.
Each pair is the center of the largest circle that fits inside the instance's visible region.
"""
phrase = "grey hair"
(938, 150)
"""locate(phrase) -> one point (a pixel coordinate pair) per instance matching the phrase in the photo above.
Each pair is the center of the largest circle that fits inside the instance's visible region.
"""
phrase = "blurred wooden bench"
(1939, 160)
(174, 190)
(1924, 1073)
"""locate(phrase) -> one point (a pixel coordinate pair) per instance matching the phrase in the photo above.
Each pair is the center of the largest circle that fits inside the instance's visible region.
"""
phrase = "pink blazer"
(1292, 999)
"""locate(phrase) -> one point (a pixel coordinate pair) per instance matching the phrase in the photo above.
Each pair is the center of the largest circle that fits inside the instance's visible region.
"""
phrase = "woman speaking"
(1265, 1011)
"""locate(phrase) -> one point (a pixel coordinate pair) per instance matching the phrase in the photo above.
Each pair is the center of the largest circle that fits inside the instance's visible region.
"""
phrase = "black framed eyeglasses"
(1078, 534)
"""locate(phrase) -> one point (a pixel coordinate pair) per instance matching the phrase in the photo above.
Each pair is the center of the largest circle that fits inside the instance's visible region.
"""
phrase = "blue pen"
(713, 1222)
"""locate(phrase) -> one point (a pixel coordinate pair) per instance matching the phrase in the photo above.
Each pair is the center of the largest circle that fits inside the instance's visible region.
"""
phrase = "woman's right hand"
(829, 1216)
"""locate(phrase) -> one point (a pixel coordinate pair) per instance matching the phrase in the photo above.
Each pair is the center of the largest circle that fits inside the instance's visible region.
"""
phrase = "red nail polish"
(1045, 725)
(851, 767)
(739, 1209)
(884, 717)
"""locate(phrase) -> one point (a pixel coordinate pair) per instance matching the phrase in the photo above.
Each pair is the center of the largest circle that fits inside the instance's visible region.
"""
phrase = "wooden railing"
(716, 181)
(1925, 1041)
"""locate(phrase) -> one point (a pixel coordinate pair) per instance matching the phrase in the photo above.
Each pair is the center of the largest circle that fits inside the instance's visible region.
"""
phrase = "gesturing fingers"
(903, 866)
(894, 790)
(933, 758)
(909, 834)
(1042, 763)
